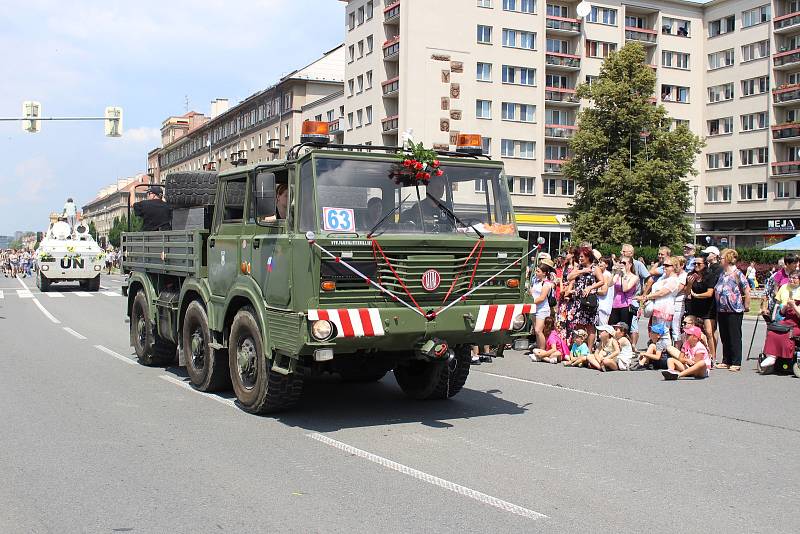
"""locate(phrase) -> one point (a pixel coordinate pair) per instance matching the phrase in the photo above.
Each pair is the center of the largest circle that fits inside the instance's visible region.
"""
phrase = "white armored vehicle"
(67, 256)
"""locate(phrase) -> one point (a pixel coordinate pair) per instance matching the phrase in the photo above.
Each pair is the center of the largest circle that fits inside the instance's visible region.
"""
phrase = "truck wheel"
(424, 380)
(207, 368)
(93, 284)
(42, 282)
(189, 189)
(258, 388)
(142, 337)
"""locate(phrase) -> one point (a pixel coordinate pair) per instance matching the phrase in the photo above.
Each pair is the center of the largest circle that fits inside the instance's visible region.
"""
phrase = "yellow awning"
(524, 218)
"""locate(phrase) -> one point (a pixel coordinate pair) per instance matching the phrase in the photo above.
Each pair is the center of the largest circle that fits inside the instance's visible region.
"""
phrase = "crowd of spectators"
(17, 262)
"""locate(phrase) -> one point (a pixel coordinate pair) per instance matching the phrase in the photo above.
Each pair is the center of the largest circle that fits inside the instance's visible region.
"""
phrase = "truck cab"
(360, 269)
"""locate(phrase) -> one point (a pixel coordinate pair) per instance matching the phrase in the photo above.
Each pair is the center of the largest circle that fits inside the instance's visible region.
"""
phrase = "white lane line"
(73, 332)
(104, 287)
(24, 293)
(2, 295)
(110, 352)
(430, 479)
(45, 312)
(565, 388)
(82, 293)
(111, 293)
(187, 386)
(55, 295)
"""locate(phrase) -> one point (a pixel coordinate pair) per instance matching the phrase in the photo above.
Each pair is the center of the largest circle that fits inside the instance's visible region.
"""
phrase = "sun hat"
(690, 245)
(659, 328)
(548, 262)
(693, 331)
(711, 250)
(606, 328)
(580, 332)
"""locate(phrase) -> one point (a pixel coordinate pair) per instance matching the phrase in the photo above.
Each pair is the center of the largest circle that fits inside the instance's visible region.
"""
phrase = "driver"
(430, 211)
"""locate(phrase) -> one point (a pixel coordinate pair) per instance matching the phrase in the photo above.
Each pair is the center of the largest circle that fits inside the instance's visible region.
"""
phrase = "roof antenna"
(186, 103)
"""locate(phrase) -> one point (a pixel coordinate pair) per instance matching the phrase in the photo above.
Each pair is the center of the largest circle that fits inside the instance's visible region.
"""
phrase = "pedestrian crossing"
(28, 294)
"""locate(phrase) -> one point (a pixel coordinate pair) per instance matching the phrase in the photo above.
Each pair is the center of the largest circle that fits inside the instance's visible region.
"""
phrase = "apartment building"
(260, 128)
(508, 69)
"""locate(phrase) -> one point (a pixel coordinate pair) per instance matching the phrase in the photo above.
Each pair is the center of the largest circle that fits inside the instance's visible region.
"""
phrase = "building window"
(720, 93)
(679, 27)
(485, 3)
(602, 15)
(484, 72)
(549, 186)
(369, 79)
(674, 93)
(720, 160)
(351, 53)
(755, 86)
(753, 156)
(519, 39)
(721, 59)
(599, 49)
(753, 191)
(722, 26)
(483, 109)
(370, 9)
(783, 189)
(480, 186)
(360, 83)
(351, 84)
(351, 21)
(719, 193)
(360, 15)
(350, 121)
(711, 194)
(568, 188)
(557, 11)
(507, 148)
(520, 6)
(484, 34)
(680, 122)
(526, 149)
(559, 46)
(359, 118)
(556, 152)
(370, 44)
(755, 16)
(754, 51)
(368, 109)
(519, 75)
(518, 112)
(674, 60)
(286, 130)
(754, 121)
(527, 185)
(720, 126)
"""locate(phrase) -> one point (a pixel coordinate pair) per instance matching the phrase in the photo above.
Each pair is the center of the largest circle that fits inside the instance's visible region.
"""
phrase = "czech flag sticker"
(269, 264)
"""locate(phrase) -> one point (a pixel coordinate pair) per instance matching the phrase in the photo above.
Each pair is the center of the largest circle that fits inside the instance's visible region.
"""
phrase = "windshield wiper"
(380, 222)
(453, 215)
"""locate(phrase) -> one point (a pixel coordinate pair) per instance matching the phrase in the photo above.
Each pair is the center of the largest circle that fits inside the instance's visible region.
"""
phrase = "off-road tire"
(93, 284)
(42, 282)
(190, 189)
(424, 380)
(207, 367)
(265, 391)
(150, 350)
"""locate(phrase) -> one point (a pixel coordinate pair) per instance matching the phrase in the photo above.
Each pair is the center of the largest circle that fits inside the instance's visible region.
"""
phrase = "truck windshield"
(354, 195)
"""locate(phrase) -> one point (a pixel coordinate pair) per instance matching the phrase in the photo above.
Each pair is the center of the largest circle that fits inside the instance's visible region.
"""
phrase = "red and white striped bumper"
(496, 317)
(360, 322)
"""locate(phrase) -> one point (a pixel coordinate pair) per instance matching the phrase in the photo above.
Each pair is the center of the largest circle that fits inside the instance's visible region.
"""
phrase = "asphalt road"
(93, 442)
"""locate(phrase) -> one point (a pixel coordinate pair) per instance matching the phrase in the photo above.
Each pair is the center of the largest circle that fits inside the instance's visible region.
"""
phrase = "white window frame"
(483, 109)
(483, 72)
(484, 35)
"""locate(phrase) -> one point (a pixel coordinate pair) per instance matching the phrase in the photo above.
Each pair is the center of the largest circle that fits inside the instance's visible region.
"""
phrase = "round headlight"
(518, 322)
(45, 267)
(321, 330)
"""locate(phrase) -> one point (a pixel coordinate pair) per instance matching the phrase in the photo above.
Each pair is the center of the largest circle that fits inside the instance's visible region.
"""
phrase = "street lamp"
(695, 188)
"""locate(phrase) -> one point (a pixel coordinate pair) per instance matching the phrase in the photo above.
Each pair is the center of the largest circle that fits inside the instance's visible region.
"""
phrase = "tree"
(92, 230)
(121, 225)
(630, 168)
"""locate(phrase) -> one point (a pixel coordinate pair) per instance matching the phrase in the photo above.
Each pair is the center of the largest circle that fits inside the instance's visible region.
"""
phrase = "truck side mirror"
(265, 194)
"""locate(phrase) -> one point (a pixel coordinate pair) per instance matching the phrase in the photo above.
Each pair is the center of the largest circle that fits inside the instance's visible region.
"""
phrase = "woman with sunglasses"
(700, 300)
(625, 285)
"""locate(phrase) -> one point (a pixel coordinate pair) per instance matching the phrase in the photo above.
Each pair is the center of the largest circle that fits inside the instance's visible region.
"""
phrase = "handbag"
(590, 303)
(647, 310)
(551, 298)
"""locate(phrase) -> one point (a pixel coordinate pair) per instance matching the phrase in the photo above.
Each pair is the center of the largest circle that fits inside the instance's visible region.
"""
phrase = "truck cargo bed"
(173, 252)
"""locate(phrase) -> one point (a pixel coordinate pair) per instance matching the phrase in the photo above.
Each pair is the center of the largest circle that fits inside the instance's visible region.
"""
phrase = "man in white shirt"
(71, 213)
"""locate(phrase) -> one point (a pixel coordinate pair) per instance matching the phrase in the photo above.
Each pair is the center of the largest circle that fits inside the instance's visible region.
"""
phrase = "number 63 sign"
(340, 219)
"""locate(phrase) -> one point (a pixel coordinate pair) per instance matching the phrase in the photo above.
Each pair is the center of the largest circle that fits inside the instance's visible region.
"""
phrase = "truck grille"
(410, 265)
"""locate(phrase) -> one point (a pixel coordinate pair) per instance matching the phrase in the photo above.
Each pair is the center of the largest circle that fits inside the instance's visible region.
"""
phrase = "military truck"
(361, 271)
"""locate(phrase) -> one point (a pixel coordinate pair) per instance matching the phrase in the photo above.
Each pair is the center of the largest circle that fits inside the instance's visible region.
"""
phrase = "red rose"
(435, 163)
(439, 172)
(427, 176)
(420, 175)
(406, 163)
(418, 165)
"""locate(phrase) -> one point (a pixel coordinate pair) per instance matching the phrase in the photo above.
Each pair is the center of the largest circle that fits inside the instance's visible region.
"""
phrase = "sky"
(147, 57)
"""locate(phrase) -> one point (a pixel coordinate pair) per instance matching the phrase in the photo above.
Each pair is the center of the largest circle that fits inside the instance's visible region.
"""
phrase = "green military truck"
(357, 265)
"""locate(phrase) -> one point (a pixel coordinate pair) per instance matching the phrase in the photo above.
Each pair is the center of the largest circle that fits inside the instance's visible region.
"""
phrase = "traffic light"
(113, 121)
(32, 111)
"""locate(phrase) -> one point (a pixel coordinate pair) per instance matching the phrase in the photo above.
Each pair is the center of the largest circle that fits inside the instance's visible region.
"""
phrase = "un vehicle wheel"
(207, 368)
(42, 282)
(93, 284)
(258, 389)
(424, 380)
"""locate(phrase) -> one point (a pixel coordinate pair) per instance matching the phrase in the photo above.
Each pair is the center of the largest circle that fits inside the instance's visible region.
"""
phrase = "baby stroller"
(782, 346)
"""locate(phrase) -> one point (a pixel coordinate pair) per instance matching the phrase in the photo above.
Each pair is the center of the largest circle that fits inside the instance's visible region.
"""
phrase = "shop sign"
(780, 224)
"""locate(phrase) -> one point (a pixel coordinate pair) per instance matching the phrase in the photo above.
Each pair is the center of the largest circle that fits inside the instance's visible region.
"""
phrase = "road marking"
(430, 479)
(82, 293)
(111, 293)
(55, 295)
(24, 293)
(188, 386)
(565, 388)
(2, 296)
(45, 312)
(73, 332)
(110, 352)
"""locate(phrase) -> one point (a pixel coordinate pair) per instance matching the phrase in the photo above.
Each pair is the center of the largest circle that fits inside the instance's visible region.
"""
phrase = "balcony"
(553, 166)
(786, 23)
(389, 125)
(334, 127)
(559, 131)
(391, 15)
(391, 49)
(641, 35)
(391, 87)
(785, 168)
(786, 95)
(559, 61)
(786, 132)
(562, 26)
(561, 96)
(787, 59)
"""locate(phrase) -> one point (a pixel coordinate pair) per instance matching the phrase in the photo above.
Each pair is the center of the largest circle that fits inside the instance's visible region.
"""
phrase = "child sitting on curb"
(691, 360)
(607, 350)
(579, 351)
(555, 347)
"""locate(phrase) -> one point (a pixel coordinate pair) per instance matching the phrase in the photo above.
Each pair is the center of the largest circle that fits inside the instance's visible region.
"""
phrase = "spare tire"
(190, 189)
